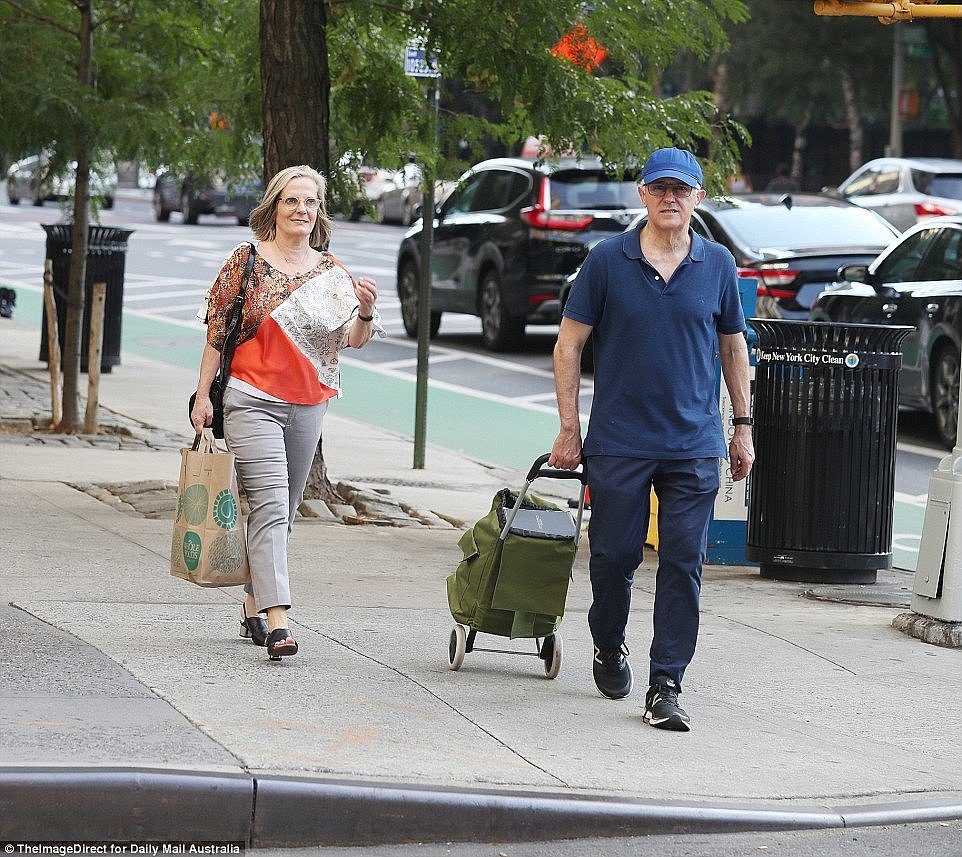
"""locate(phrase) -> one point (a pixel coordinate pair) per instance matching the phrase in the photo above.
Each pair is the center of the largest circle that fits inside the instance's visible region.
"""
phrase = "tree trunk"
(801, 143)
(295, 85)
(945, 39)
(72, 420)
(720, 85)
(853, 118)
(295, 92)
(319, 487)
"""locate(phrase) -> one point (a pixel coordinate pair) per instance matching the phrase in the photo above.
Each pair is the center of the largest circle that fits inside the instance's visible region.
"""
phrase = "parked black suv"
(505, 240)
(193, 196)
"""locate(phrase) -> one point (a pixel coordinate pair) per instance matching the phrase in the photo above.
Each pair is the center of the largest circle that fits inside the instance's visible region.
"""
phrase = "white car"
(905, 191)
(30, 179)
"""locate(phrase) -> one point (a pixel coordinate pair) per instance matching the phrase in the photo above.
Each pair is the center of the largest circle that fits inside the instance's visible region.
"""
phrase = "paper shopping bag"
(209, 547)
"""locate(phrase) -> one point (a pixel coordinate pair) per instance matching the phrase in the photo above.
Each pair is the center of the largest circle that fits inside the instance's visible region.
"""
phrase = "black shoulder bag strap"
(234, 321)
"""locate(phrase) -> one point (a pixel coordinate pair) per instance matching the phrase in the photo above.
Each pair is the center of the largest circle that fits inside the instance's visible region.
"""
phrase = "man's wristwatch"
(742, 421)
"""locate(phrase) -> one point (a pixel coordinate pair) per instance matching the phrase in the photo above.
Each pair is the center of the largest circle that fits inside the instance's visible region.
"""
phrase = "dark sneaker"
(612, 672)
(662, 709)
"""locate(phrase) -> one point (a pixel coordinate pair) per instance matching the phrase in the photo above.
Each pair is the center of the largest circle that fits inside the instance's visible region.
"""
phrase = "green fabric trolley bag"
(513, 580)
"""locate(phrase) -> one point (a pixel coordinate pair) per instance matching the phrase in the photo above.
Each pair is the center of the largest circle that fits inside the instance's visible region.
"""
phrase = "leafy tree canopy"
(501, 53)
(161, 68)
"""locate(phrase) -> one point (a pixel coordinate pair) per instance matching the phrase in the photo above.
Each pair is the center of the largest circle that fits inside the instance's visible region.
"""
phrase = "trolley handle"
(537, 471)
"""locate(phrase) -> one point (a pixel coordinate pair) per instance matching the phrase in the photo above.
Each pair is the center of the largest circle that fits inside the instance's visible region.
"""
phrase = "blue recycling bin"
(728, 529)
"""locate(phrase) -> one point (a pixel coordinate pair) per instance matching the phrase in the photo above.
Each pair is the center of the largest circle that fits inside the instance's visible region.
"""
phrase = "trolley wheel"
(551, 655)
(456, 647)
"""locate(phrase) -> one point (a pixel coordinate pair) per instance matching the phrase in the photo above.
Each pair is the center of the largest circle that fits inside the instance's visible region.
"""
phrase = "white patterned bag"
(209, 547)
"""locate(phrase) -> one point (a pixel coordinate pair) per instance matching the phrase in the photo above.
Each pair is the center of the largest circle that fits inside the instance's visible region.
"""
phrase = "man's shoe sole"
(631, 682)
(673, 724)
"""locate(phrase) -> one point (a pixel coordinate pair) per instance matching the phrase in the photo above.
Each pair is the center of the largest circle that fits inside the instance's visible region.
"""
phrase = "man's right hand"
(566, 452)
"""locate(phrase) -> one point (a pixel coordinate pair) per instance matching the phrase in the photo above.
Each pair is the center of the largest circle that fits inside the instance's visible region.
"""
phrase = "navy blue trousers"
(620, 509)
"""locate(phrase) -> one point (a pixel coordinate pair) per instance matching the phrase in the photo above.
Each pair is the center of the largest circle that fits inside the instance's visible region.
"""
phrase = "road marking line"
(912, 499)
(378, 369)
(163, 295)
(537, 397)
(920, 450)
(411, 362)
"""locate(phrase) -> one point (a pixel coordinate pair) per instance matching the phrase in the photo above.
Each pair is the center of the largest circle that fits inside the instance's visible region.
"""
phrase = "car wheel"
(356, 211)
(161, 214)
(945, 393)
(243, 221)
(37, 199)
(187, 211)
(408, 287)
(108, 202)
(499, 330)
(12, 198)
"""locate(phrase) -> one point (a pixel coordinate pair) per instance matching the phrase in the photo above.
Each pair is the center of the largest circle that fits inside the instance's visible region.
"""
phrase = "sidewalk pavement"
(132, 711)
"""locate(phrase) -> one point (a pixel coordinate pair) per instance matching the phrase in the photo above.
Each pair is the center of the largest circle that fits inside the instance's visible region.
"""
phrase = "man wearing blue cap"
(662, 304)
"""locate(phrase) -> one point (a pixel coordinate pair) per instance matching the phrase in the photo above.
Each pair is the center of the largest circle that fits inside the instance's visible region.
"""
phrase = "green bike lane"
(499, 432)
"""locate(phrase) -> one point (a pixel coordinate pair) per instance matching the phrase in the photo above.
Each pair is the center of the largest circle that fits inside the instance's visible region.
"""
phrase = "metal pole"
(424, 292)
(894, 148)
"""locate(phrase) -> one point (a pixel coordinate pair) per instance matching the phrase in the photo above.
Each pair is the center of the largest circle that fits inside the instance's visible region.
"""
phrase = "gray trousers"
(274, 445)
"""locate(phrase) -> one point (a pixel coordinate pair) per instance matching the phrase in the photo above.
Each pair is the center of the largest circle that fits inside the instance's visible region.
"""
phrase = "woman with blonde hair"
(302, 307)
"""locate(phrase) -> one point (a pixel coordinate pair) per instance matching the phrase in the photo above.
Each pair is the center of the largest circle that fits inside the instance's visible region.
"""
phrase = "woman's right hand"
(202, 414)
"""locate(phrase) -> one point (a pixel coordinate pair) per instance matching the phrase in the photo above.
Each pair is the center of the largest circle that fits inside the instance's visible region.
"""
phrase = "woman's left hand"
(366, 290)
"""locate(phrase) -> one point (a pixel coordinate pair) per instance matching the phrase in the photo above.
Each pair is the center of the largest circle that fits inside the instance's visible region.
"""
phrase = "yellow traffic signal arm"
(888, 13)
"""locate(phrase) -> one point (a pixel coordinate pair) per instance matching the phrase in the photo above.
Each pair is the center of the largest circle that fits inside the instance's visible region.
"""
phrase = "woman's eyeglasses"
(679, 191)
(291, 203)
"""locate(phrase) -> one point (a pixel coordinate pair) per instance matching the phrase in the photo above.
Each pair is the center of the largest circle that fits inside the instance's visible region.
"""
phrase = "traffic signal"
(888, 13)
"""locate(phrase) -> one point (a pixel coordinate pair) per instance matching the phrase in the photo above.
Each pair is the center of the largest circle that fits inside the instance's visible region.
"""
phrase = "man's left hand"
(741, 453)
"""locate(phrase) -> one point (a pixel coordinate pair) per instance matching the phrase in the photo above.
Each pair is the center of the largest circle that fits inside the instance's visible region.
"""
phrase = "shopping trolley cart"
(513, 580)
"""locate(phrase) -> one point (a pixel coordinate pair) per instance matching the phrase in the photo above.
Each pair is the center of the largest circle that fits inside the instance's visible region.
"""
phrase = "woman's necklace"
(297, 263)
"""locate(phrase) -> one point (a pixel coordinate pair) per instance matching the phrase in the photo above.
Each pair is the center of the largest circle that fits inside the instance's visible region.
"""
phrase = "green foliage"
(161, 67)
(785, 60)
(499, 52)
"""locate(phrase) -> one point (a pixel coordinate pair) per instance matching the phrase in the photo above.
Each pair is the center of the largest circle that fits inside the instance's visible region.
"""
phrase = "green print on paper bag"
(177, 551)
(226, 553)
(194, 501)
(191, 549)
(225, 510)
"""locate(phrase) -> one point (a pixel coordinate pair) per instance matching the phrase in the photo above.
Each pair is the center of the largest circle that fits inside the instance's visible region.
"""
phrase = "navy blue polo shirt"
(655, 347)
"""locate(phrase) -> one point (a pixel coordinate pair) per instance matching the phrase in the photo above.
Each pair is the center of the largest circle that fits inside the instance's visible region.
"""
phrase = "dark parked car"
(793, 244)
(193, 196)
(505, 240)
(918, 282)
(905, 191)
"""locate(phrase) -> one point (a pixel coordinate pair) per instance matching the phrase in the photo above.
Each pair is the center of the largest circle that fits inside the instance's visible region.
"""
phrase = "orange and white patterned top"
(293, 327)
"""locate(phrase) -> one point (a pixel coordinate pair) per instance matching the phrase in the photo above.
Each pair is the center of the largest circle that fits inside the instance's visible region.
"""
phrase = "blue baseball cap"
(672, 164)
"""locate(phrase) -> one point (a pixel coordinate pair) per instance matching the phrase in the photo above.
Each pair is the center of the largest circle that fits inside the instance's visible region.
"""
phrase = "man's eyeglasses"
(679, 191)
(291, 202)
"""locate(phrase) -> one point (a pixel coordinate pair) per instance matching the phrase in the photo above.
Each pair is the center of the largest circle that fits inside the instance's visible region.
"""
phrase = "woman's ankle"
(276, 618)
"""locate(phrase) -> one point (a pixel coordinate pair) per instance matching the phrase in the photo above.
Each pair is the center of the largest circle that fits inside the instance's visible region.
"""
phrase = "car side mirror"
(861, 274)
(855, 274)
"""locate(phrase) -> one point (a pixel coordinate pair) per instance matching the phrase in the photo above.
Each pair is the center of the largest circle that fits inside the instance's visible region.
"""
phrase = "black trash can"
(822, 488)
(106, 255)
